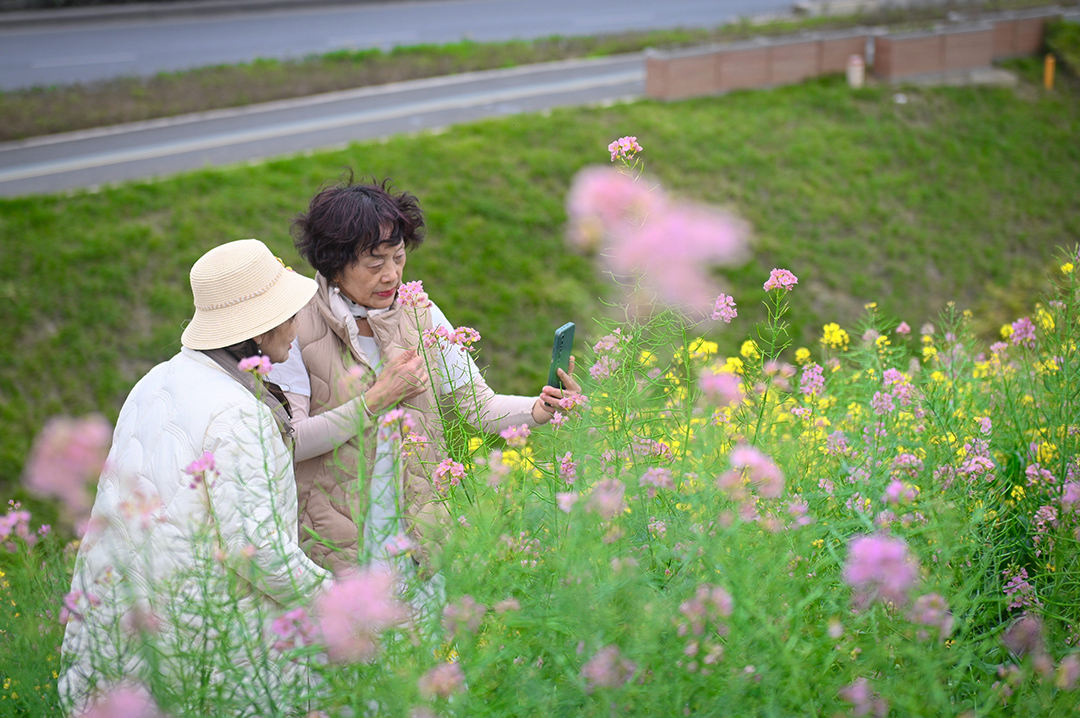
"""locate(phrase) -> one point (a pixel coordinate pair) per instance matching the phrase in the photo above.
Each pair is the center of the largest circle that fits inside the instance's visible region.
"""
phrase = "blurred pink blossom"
(606, 498)
(66, 455)
(722, 389)
(566, 500)
(259, 364)
(124, 701)
(516, 436)
(294, 629)
(507, 604)
(932, 610)
(863, 700)
(607, 669)
(353, 612)
(443, 681)
(880, 568)
(605, 206)
(465, 615)
(759, 469)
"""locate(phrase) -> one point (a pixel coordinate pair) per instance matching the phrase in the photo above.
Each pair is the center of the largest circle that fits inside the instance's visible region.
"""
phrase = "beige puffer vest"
(333, 489)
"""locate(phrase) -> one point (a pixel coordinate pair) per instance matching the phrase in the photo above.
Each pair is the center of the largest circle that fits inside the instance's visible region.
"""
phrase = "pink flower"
(465, 337)
(568, 468)
(1023, 333)
(353, 612)
(606, 499)
(395, 424)
(66, 455)
(603, 368)
(294, 629)
(400, 544)
(516, 436)
(412, 294)
(897, 492)
(569, 402)
(1068, 671)
(672, 252)
(863, 700)
(722, 389)
(465, 615)
(724, 309)
(558, 419)
(625, 147)
(201, 469)
(75, 606)
(812, 380)
(657, 478)
(443, 680)
(259, 364)
(507, 604)
(759, 469)
(781, 279)
(880, 568)
(610, 342)
(451, 467)
(604, 206)
(566, 500)
(903, 329)
(123, 701)
(607, 669)
(932, 610)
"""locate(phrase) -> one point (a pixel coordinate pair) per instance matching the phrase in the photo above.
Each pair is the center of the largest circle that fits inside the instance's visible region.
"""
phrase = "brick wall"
(779, 61)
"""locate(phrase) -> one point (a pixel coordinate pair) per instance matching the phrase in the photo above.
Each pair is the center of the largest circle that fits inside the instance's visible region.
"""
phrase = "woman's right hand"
(404, 377)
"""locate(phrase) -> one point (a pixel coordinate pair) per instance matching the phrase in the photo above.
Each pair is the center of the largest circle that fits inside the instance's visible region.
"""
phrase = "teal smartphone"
(561, 349)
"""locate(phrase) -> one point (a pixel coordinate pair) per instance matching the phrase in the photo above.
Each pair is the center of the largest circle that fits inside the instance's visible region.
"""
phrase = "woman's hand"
(548, 403)
(403, 378)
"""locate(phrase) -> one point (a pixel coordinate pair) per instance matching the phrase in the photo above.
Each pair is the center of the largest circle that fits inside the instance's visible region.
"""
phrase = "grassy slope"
(959, 194)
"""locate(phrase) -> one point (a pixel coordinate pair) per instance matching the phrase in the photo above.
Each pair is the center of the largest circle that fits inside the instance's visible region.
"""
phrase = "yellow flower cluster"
(834, 337)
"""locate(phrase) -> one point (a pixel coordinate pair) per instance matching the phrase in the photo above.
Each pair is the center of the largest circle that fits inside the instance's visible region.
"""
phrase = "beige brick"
(691, 76)
(744, 68)
(967, 50)
(905, 55)
(794, 62)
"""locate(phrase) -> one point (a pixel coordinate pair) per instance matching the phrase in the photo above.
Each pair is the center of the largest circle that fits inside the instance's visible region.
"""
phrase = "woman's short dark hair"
(347, 221)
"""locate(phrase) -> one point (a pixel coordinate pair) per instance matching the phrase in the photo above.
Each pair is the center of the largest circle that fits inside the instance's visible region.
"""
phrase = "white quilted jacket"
(174, 570)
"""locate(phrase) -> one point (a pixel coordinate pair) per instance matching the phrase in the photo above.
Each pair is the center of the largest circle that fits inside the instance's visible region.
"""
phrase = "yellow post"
(1048, 72)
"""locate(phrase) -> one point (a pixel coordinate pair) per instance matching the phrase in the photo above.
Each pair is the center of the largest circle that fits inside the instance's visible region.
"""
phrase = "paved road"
(162, 147)
(67, 52)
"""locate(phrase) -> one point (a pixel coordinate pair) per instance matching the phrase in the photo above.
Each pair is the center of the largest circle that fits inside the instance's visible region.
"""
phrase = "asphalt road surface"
(163, 147)
(67, 52)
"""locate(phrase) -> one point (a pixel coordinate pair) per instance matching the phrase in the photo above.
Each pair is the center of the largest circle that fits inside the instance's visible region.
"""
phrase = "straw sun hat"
(241, 291)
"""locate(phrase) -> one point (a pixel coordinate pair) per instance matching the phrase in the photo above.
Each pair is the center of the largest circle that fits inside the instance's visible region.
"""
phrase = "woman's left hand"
(548, 403)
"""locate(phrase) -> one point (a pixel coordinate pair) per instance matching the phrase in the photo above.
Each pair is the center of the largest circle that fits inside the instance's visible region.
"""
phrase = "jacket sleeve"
(483, 408)
(321, 434)
(254, 507)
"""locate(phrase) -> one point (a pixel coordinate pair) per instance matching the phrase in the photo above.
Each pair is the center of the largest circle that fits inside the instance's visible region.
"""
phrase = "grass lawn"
(960, 194)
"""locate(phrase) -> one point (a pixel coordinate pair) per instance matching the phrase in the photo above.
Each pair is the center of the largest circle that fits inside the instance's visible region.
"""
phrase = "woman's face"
(275, 343)
(373, 280)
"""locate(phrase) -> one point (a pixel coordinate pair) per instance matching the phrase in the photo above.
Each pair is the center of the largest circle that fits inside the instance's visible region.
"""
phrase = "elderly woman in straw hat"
(191, 550)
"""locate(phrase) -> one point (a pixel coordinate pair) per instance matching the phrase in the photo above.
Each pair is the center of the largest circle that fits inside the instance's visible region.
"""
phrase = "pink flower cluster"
(396, 424)
(201, 470)
(709, 604)
(863, 700)
(657, 478)
(757, 469)
(932, 610)
(123, 701)
(412, 294)
(722, 389)
(442, 681)
(354, 611)
(440, 336)
(568, 468)
(812, 380)
(625, 147)
(642, 237)
(465, 615)
(781, 279)
(66, 455)
(606, 499)
(16, 523)
(259, 364)
(294, 629)
(1023, 333)
(447, 467)
(607, 669)
(724, 309)
(880, 568)
(516, 436)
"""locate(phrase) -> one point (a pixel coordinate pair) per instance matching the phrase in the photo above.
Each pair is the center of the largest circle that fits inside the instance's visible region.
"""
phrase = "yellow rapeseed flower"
(1047, 452)
(749, 349)
(733, 365)
(1017, 492)
(882, 341)
(1006, 331)
(1044, 319)
(703, 349)
(647, 358)
(475, 442)
(802, 355)
(929, 352)
(835, 337)
(1067, 268)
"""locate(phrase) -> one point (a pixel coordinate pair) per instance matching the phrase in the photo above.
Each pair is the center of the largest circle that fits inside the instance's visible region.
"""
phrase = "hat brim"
(219, 328)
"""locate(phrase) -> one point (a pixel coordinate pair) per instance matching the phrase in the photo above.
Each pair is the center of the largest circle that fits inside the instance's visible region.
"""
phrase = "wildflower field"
(750, 510)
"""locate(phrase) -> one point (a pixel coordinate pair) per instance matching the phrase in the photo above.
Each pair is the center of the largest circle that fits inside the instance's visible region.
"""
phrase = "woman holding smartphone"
(360, 353)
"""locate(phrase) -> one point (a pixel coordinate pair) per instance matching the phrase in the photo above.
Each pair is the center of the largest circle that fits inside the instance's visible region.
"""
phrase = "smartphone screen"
(561, 349)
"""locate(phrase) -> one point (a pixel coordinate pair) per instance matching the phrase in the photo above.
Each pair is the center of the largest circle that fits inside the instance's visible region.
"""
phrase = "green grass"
(46, 110)
(960, 194)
